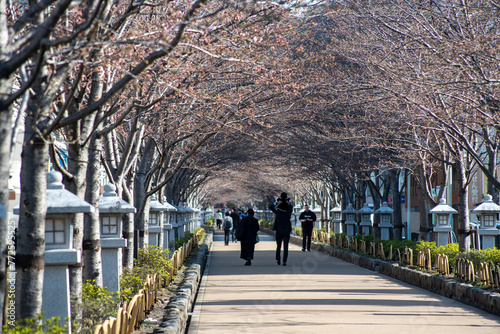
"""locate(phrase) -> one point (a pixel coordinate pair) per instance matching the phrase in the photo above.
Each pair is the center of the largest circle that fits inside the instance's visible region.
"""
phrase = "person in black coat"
(307, 218)
(236, 220)
(247, 235)
(282, 225)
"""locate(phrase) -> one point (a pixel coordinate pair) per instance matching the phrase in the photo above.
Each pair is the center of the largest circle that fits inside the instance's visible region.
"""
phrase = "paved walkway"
(316, 293)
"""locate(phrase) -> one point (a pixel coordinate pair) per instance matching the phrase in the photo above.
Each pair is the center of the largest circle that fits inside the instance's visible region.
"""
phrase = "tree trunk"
(128, 233)
(142, 185)
(396, 205)
(30, 263)
(91, 236)
(5, 228)
(77, 167)
(462, 228)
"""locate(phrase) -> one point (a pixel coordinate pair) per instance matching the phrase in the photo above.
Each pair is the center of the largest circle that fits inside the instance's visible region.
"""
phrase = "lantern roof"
(337, 208)
(488, 206)
(350, 209)
(385, 209)
(365, 209)
(109, 202)
(60, 200)
(155, 205)
(184, 208)
(443, 208)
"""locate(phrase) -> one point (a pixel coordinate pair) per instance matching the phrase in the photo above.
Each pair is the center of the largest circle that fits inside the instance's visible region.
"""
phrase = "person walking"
(228, 225)
(307, 219)
(236, 219)
(282, 225)
(218, 219)
(247, 235)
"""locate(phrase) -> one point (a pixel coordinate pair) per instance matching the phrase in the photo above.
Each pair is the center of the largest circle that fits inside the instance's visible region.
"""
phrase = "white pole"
(408, 205)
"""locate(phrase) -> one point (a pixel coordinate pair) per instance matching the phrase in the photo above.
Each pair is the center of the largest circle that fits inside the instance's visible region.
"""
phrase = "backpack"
(227, 224)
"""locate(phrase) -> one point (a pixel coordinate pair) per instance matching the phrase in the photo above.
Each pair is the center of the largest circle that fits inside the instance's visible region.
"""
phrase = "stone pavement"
(316, 293)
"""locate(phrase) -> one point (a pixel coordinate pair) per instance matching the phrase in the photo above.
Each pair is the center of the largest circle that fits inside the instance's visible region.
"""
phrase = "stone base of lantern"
(385, 231)
(442, 235)
(350, 229)
(488, 237)
(56, 292)
(337, 227)
(111, 257)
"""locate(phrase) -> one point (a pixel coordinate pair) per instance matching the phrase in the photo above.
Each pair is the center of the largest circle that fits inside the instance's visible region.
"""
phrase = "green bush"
(298, 230)
(210, 221)
(266, 224)
(36, 326)
(150, 260)
(486, 255)
(98, 304)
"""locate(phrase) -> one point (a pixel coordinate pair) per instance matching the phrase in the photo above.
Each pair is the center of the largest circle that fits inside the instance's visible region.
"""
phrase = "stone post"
(366, 221)
(111, 209)
(350, 220)
(488, 216)
(337, 219)
(59, 251)
(385, 224)
(443, 215)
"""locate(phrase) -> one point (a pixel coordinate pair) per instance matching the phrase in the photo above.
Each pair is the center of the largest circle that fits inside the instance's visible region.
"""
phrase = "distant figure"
(218, 219)
(228, 225)
(247, 235)
(236, 220)
(282, 225)
(307, 218)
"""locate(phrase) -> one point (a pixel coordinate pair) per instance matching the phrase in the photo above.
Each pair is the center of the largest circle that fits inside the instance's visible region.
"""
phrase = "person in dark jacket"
(282, 225)
(307, 218)
(247, 235)
(236, 220)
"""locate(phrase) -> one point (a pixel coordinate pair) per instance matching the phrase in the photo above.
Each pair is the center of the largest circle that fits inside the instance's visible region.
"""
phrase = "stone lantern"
(443, 215)
(111, 209)
(190, 218)
(488, 217)
(350, 220)
(168, 220)
(337, 219)
(317, 212)
(155, 227)
(59, 251)
(366, 219)
(385, 224)
(296, 214)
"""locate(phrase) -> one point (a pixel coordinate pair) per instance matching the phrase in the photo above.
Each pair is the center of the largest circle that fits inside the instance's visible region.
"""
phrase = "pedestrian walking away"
(236, 219)
(218, 219)
(228, 225)
(282, 225)
(307, 218)
(247, 235)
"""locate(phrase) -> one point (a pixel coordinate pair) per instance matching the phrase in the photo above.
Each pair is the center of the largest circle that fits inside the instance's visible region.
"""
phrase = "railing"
(131, 314)
(442, 264)
(487, 273)
(424, 260)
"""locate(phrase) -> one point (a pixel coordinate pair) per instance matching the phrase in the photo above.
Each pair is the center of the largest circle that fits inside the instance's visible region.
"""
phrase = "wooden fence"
(487, 273)
(130, 315)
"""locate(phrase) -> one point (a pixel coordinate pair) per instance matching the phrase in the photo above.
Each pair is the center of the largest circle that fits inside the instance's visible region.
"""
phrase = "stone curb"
(176, 312)
(450, 288)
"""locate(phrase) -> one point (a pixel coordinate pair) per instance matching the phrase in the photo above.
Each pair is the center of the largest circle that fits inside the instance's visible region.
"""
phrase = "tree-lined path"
(316, 293)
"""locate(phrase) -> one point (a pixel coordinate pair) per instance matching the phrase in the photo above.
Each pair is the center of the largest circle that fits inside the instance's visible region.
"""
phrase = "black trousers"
(282, 238)
(226, 236)
(306, 239)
